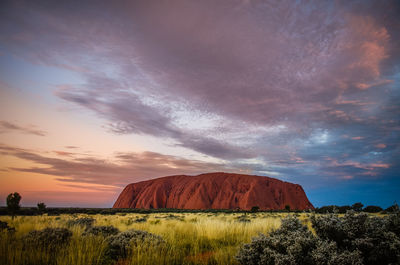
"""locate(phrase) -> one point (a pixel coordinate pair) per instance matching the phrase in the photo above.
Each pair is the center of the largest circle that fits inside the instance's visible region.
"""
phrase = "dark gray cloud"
(115, 102)
(127, 113)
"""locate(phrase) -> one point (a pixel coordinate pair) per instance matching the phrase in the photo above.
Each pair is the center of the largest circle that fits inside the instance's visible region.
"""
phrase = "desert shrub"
(174, 217)
(326, 209)
(327, 253)
(136, 220)
(42, 246)
(101, 230)
(372, 209)
(107, 212)
(41, 207)
(329, 227)
(334, 209)
(393, 223)
(375, 238)
(140, 220)
(352, 239)
(121, 244)
(243, 219)
(4, 227)
(392, 209)
(290, 244)
(85, 221)
(48, 238)
(344, 209)
(13, 205)
(357, 206)
(155, 222)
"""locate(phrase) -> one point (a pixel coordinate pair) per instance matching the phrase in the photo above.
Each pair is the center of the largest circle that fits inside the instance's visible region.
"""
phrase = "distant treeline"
(358, 207)
(111, 211)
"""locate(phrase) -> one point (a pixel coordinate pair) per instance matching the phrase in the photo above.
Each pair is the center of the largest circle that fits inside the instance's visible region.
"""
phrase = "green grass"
(191, 238)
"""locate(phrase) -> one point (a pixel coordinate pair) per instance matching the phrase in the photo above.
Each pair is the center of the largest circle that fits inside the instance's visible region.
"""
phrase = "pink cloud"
(379, 165)
(120, 170)
(6, 126)
(347, 177)
(366, 166)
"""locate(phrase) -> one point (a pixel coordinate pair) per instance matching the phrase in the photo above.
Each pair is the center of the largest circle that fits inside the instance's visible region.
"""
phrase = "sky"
(95, 95)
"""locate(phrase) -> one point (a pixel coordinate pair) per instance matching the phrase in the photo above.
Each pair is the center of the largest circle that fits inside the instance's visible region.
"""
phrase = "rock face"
(213, 191)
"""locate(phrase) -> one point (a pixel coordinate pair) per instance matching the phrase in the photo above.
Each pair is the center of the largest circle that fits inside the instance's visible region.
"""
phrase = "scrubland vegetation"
(201, 238)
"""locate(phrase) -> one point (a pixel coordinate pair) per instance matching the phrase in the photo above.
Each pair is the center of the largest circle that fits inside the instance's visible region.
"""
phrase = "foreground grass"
(192, 238)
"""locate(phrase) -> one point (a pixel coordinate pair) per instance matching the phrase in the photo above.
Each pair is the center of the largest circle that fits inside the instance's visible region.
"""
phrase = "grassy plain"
(191, 238)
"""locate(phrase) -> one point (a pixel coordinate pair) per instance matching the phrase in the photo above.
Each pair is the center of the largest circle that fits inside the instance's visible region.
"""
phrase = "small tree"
(287, 207)
(41, 207)
(13, 206)
(357, 206)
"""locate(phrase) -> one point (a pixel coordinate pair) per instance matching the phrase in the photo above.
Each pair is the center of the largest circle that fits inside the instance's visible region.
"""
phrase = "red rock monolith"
(213, 191)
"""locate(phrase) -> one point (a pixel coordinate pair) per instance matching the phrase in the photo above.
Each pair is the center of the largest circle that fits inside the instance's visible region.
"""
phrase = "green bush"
(121, 244)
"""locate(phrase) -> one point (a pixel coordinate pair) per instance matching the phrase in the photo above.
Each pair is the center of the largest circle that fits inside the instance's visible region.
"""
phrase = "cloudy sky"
(98, 94)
